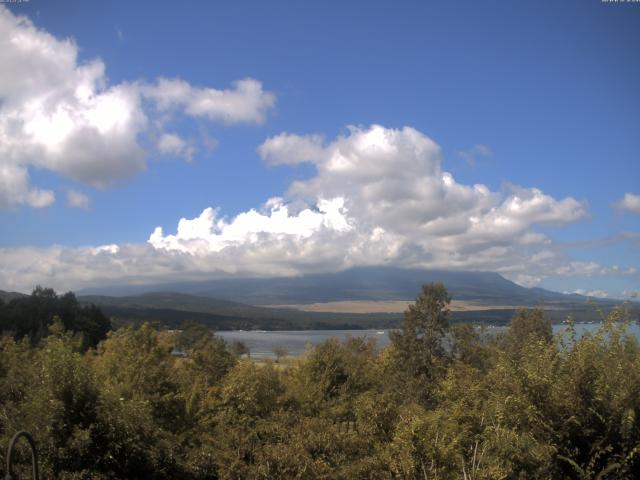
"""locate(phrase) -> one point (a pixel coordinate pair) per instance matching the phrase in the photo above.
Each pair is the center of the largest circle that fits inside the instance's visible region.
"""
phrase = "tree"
(279, 351)
(52, 393)
(133, 365)
(527, 326)
(239, 348)
(191, 335)
(31, 317)
(418, 344)
(249, 395)
(468, 347)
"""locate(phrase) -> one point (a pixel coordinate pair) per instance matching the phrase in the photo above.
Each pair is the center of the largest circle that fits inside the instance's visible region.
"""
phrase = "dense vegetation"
(31, 316)
(440, 402)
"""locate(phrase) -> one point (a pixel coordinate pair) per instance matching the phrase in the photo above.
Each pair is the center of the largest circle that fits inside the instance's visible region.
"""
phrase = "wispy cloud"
(472, 154)
(590, 293)
(77, 199)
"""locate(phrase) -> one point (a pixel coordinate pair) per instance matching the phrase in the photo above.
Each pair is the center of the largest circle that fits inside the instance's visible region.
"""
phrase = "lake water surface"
(261, 343)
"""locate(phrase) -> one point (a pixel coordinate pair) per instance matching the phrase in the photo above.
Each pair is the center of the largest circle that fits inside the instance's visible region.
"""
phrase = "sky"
(149, 142)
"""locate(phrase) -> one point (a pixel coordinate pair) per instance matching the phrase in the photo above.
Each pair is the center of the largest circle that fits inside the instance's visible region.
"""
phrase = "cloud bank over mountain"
(378, 196)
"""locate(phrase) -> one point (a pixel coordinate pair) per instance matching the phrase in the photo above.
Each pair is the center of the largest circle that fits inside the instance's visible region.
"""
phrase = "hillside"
(362, 283)
(253, 303)
(172, 309)
(6, 297)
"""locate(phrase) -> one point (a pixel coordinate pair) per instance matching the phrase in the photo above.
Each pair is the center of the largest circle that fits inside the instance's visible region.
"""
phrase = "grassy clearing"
(386, 306)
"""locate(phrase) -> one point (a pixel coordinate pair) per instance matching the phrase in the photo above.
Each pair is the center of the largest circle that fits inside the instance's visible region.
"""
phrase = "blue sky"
(535, 94)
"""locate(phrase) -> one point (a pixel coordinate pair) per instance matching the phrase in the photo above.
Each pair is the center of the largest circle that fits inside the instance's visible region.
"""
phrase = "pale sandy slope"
(389, 306)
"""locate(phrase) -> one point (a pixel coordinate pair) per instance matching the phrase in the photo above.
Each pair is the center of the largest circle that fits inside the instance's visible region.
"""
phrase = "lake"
(261, 343)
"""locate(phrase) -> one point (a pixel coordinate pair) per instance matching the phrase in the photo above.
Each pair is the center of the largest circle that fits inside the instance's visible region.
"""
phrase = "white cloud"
(527, 280)
(206, 233)
(630, 203)
(290, 149)
(173, 144)
(246, 102)
(60, 114)
(395, 204)
(393, 179)
(40, 198)
(63, 118)
(77, 199)
(586, 269)
(590, 293)
(15, 189)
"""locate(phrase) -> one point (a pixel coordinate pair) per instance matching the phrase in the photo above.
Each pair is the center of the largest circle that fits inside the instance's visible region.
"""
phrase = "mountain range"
(257, 302)
(279, 303)
(362, 283)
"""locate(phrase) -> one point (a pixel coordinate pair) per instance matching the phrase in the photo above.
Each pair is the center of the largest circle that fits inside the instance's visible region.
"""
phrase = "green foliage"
(280, 352)
(333, 373)
(239, 348)
(31, 317)
(468, 347)
(527, 326)
(436, 403)
(419, 351)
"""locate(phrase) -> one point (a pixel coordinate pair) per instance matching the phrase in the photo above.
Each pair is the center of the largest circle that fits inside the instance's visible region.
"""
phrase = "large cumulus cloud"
(378, 196)
(394, 198)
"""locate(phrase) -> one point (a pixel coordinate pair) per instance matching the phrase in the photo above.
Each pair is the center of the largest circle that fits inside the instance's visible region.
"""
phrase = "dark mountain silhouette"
(6, 297)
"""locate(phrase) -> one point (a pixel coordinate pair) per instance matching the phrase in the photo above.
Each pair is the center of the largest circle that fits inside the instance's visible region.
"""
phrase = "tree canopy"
(31, 316)
(436, 403)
